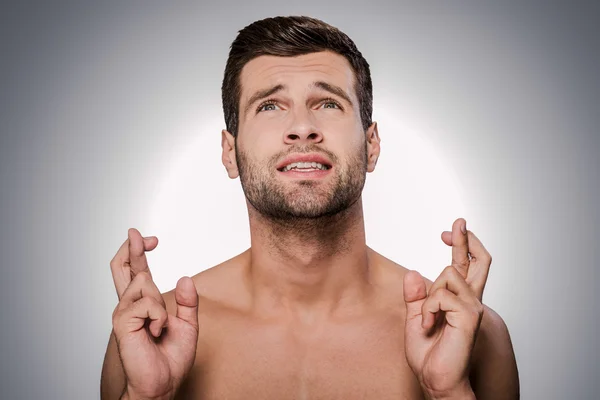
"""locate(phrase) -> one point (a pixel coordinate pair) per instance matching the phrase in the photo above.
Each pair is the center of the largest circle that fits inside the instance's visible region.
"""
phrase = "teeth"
(304, 165)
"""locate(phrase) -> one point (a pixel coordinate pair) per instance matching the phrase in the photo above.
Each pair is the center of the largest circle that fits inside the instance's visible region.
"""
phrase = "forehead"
(264, 71)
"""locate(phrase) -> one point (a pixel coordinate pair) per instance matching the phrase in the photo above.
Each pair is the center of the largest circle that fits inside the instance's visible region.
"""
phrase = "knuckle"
(151, 302)
(147, 301)
(116, 315)
(120, 257)
(114, 263)
(149, 284)
(163, 316)
(144, 304)
(143, 277)
(477, 311)
(440, 293)
(479, 308)
(452, 272)
(426, 305)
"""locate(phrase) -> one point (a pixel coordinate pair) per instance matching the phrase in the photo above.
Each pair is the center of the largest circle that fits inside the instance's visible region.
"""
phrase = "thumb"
(186, 297)
(415, 293)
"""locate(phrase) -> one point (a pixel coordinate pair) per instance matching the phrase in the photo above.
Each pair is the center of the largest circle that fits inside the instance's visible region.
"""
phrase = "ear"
(373, 146)
(228, 156)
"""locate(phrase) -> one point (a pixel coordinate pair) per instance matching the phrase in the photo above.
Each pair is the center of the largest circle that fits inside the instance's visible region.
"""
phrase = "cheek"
(333, 118)
(257, 158)
(342, 128)
(266, 123)
(347, 142)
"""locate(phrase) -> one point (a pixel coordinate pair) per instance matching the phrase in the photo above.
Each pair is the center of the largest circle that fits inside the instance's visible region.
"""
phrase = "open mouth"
(305, 167)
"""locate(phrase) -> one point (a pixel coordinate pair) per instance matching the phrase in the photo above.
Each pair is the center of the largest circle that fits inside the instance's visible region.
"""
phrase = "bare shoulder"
(494, 373)
(493, 338)
(219, 286)
(493, 333)
(390, 273)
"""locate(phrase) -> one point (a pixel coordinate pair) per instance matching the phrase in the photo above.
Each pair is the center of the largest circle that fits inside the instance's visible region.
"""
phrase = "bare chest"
(348, 361)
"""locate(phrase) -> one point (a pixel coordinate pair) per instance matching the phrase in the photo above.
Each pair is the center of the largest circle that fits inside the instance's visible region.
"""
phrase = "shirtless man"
(309, 311)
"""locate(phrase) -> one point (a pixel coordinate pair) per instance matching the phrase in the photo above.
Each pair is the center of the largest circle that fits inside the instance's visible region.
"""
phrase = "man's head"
(290, 37)
(298, 86)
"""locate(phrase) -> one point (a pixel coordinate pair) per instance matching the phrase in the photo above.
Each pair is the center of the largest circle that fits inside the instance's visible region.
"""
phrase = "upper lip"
(311, 157)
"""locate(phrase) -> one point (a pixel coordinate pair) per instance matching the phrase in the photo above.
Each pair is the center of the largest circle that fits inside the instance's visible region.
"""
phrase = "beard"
(297, 201)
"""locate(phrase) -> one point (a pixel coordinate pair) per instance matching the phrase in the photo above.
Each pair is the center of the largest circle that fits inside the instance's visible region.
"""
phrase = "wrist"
(463, 392)
(131, 395)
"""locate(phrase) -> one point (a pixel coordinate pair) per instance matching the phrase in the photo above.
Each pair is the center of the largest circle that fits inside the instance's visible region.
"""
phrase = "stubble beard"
(303, 203)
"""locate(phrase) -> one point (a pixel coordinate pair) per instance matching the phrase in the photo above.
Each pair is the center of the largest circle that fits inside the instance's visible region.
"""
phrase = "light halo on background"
(93, 95)
(198, 213)
(412, 196)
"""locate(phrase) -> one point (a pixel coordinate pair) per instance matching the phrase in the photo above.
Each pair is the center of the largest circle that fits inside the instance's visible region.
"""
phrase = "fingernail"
(463, 228)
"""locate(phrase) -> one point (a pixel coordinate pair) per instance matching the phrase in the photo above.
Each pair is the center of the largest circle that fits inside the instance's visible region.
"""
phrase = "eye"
(268, 105)
(331, 103)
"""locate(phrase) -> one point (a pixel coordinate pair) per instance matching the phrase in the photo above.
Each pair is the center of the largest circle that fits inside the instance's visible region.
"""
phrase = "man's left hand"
(442, 325)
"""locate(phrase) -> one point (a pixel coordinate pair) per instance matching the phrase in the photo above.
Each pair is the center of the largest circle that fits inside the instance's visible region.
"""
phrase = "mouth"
(305, 167)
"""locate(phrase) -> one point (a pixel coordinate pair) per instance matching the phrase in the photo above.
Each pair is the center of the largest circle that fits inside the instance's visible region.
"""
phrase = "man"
(309, 311)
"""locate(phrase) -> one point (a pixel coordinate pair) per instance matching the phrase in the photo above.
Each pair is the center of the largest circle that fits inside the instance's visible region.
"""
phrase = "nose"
(303, 129)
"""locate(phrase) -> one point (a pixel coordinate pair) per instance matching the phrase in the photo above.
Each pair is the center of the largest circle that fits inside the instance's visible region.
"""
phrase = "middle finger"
(141, 286)
(460, 247)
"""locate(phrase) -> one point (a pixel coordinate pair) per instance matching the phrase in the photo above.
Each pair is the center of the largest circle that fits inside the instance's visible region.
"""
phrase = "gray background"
(110, 117)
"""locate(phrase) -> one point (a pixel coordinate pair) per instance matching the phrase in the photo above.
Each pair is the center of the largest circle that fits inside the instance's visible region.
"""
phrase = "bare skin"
(310, 311)
(246, 351)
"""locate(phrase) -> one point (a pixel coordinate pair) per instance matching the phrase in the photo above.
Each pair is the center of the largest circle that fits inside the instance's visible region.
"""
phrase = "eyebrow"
(333, 89)
(261, 94)
(328, 87)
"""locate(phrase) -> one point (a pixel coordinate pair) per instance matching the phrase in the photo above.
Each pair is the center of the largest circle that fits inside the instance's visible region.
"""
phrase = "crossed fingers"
(139, 297)
(458, 290)
(130, 259)
(140, 301)
(469, 256)
(451, 293)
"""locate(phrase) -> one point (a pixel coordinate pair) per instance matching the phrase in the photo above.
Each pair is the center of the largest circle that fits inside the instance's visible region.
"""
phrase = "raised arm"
(457, 347)
(493, 368)
(151, 350)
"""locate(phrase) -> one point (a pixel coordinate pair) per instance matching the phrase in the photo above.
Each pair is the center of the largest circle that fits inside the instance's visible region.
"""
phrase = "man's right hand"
(157, 350)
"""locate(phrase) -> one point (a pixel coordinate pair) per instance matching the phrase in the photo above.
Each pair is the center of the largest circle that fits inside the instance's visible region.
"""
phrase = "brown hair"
(289, 37)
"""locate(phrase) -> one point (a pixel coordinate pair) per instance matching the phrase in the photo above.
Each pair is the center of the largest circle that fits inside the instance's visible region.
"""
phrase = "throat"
(306, 240)
(316, 265)
(313, 238)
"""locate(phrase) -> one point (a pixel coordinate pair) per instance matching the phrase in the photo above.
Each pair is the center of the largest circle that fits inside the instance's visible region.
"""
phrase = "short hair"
(289, 37)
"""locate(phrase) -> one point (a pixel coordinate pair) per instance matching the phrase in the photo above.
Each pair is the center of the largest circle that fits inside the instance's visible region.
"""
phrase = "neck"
(309, 266)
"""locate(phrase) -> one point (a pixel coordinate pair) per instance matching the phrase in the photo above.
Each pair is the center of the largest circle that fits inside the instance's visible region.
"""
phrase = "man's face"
(300, 109)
